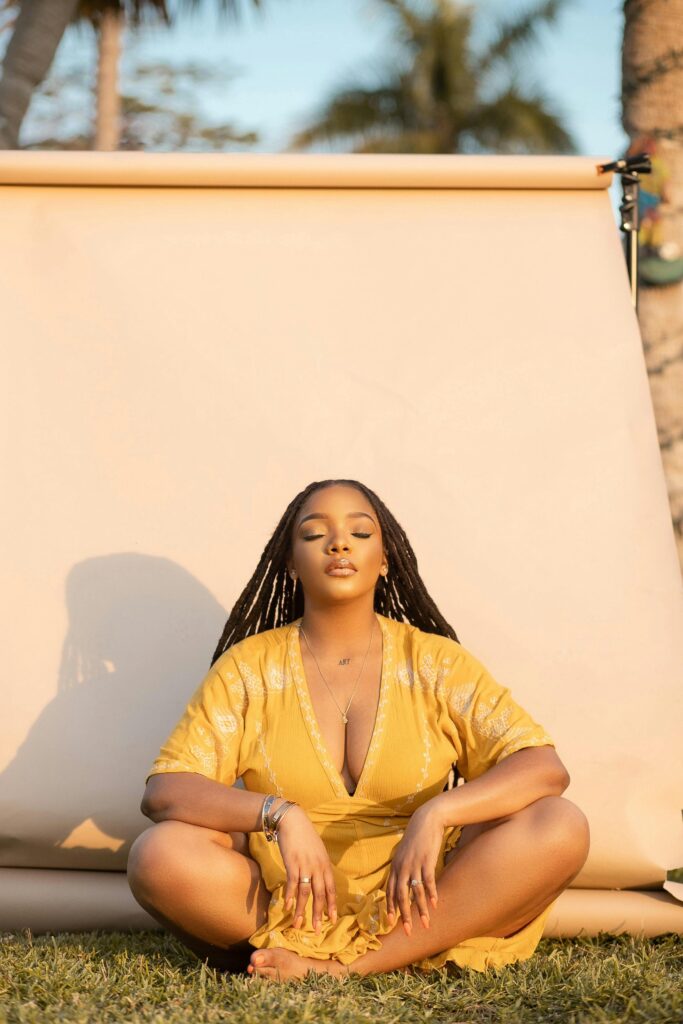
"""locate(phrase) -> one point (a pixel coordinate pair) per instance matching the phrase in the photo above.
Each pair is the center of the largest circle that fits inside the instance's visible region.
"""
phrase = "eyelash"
(315, 536)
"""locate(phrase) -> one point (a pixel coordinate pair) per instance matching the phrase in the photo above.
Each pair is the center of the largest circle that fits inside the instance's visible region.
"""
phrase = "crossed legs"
(204, 888)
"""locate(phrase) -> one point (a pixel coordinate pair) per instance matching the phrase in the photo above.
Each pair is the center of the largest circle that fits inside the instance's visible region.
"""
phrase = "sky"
(280, 61)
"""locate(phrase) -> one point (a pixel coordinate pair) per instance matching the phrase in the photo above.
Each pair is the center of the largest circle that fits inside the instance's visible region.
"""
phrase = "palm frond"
(518, 123)
(520, 30)
(351, 112)
(137, 11)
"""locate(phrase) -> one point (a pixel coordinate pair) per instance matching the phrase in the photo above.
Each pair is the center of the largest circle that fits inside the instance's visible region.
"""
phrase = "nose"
(339, 544)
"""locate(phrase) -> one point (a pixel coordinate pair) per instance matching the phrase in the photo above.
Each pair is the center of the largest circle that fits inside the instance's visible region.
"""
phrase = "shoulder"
(425, 657)
(415, 642)
(256, 660)
(436, 660)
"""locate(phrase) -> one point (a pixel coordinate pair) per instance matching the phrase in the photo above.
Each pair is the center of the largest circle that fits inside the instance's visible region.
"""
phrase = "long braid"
(272, 599)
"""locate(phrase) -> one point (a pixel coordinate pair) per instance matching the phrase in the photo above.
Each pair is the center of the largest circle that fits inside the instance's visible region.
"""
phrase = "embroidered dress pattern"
(251, 718)
(426, 756)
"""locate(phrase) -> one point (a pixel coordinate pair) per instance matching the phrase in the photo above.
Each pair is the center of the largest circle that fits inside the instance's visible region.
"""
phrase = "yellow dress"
(252, 718)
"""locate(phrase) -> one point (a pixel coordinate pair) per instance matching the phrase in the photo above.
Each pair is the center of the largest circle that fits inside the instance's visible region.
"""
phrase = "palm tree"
(37, 32)
(435, 95)
(652, 101)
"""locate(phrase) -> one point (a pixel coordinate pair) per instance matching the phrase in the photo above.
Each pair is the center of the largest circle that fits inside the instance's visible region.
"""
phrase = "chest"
(347, 743)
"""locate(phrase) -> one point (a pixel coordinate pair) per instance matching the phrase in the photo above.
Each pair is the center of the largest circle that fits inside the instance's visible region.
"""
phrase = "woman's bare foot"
(282, 964)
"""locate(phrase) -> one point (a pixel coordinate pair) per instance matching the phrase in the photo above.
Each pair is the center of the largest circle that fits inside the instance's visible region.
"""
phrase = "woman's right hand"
(305, 856)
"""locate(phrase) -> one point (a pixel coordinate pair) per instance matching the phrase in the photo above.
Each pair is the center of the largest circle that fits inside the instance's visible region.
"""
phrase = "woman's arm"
(198, 800)
(513, 783)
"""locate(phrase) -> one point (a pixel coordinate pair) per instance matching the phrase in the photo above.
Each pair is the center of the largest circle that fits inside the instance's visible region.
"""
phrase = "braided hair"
(272, 598)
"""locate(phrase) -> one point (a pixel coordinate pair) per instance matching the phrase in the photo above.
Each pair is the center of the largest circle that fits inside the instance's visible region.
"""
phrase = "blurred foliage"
(159, 111)
(436, 95)
(138, 12)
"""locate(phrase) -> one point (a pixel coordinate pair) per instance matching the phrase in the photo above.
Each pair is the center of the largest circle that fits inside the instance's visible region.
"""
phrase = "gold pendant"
(344, 719)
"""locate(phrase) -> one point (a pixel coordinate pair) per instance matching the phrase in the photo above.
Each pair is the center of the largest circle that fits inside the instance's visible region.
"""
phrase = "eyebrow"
(323, 515)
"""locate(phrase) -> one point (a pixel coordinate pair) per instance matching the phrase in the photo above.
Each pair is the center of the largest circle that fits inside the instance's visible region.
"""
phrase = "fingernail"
(407, 927)
(434, 901)
(334, 917)
(288, 903)
(258, 959)
(425, 920)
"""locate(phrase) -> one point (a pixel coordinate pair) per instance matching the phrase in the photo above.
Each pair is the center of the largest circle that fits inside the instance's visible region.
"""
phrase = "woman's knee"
(152, 855)
(162, 855)
(563, 825)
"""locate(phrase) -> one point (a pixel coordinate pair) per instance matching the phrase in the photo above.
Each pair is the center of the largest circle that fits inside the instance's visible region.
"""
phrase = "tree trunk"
(108, 121)
(38, 30)
(652, 101)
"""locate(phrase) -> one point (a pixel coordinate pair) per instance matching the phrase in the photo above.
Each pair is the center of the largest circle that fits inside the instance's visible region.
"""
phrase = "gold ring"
(306, 879)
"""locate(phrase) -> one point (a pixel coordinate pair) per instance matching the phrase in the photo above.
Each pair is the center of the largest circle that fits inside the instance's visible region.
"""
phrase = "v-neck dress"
(251, 718)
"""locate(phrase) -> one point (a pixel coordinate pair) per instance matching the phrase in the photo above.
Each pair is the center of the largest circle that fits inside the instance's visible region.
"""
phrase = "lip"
(336, 565)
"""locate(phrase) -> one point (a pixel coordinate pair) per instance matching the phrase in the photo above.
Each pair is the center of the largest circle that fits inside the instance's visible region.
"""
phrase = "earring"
(292, 573)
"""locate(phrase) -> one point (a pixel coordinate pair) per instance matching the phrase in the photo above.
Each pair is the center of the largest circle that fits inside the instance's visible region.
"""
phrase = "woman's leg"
(493, 884)
(203, 887)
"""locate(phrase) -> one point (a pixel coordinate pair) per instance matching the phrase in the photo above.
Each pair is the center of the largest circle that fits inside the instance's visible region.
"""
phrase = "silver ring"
(306, 879)
(416, 881)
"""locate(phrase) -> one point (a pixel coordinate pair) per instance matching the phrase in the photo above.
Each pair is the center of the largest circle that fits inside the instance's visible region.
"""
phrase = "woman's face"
(336, 522)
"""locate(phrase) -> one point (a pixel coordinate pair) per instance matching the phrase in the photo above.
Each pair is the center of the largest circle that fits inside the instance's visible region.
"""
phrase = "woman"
(343, 722)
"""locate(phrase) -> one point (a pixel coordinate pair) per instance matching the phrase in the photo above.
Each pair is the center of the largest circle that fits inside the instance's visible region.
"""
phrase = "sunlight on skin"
(284, 964)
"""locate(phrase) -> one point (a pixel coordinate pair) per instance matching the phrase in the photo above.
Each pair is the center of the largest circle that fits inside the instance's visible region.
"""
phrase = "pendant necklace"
(345, 712)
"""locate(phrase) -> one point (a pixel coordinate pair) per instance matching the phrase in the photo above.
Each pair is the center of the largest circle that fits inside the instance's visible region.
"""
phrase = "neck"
(341, 629)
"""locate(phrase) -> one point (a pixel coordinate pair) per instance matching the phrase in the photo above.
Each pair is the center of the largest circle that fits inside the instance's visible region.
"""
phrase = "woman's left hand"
(415, 857)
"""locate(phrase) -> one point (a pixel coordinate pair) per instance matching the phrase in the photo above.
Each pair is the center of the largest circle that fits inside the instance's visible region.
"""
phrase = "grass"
(150, 976)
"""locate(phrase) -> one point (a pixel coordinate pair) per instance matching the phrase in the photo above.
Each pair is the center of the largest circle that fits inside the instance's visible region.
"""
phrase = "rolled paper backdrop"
(188, 340)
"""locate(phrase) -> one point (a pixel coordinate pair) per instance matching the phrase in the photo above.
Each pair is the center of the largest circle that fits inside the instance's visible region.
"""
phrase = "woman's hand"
(305, 856)
(415, 857)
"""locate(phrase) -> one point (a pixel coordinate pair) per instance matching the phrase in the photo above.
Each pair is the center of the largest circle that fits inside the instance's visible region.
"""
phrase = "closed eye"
(315, 536)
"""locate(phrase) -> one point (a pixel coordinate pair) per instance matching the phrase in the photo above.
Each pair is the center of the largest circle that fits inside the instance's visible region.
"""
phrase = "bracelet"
(272, 824)
(279, 815)
(265, 808)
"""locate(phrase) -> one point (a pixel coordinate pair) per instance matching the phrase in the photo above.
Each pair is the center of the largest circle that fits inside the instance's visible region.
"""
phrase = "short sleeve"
(208, 736)
(490, 725)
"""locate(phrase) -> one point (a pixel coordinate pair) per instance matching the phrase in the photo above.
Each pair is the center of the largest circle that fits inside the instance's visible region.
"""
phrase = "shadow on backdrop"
(141, 634)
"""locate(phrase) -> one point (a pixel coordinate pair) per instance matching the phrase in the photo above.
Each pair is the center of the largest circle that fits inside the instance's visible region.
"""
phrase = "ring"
(305, 879)
(416, 881)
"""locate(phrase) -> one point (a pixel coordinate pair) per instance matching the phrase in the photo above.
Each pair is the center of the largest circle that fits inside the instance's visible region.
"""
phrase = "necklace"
(345, 712)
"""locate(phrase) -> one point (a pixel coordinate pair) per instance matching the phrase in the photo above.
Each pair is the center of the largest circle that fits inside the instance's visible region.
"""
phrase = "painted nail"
(408, 927)
(425, 920)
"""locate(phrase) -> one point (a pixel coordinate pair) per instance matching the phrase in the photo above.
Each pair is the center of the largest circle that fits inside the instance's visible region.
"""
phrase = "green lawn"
(150, 976)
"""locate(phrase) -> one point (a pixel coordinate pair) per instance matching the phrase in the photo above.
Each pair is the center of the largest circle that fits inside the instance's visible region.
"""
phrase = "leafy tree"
(652, 101)
(436, 95)
(36, 33)
(158, 110)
